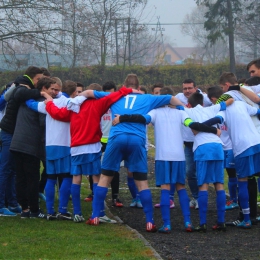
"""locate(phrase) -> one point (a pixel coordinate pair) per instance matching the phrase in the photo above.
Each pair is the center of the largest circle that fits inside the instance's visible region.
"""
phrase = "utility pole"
(129, 41)
(117, 62)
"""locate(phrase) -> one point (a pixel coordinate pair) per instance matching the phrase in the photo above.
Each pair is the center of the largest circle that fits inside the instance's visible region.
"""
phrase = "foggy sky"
(171, 11)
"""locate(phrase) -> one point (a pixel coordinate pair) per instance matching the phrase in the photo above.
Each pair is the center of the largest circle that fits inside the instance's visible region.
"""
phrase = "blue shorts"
(86, 164)
(248, 165)
(127, 147)
(168, 172)
(58, 166)
(210, 172)
(229, 160)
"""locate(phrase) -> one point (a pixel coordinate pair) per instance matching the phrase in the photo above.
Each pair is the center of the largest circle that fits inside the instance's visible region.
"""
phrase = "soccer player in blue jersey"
(127, 142)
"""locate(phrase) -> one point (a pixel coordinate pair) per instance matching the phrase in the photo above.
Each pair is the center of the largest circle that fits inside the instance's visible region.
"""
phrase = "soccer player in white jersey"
(228, 82)
(189, 87)
(246, 150)
(214, 94)
(209, 157)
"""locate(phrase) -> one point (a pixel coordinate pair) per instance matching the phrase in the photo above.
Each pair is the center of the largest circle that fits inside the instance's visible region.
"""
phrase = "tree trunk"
(232, 61)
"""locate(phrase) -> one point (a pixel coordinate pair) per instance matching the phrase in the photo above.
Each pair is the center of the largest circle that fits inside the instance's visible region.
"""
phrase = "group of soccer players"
(197, 135)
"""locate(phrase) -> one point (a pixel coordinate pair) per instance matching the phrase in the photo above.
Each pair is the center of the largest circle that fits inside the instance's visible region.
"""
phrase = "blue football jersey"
(136, 104)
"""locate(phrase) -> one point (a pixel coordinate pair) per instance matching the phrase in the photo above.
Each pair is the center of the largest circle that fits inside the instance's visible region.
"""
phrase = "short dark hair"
(157, 85)
(228, 77)
(166, 91)
(214, 92)
(32, 71)
(69, 87)
(252, 81)
(188, 81)
(142, 88)
(109, 85)
(195, 99)
(241, 81)
(45, 82)
(80, 85)
(45, 72)
(255, 62)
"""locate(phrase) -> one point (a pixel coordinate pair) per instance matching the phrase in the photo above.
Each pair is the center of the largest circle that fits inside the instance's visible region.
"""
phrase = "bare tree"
(194, 26)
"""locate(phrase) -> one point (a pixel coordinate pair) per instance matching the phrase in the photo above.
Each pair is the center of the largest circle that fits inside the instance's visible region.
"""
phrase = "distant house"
(177, 55)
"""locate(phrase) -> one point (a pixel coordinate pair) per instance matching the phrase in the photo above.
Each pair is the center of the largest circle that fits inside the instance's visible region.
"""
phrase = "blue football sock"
(75, 192)
(172, 191)
(65, 191)
(165, 207)
(146, 200)
(221, 201)
(203, 206)
(132, 187)
(98, 202)
(185, 205)
(94, 187)
(243, 199)
(232, 187)
(50, 195)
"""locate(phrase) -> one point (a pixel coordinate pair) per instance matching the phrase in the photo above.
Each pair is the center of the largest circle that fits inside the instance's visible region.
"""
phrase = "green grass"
(42, 239)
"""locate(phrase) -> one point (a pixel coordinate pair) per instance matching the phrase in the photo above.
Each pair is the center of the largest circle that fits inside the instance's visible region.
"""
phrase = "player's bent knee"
(108, 173)
(140, 176)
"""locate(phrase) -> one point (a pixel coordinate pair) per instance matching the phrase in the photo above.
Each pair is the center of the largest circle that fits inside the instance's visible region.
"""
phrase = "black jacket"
(29, 134)
(24, 90)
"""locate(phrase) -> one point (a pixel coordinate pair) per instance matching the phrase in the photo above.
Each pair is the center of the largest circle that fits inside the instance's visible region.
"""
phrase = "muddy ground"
(234, 244)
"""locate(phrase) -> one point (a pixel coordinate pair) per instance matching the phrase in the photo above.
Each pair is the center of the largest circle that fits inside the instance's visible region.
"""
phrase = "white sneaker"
(106, 219)
(194, 204)
(78, 218)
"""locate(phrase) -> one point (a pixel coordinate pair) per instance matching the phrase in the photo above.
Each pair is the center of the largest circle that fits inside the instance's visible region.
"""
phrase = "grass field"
(42, 239)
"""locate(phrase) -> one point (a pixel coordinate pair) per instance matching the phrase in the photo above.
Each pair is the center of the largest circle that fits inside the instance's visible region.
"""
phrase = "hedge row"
(204, 75)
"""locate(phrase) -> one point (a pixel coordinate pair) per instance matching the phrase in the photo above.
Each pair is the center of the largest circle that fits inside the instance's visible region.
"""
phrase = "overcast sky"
(171, 11)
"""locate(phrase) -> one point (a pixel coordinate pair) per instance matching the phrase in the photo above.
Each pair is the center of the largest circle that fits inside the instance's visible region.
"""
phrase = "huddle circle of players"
(70, 129)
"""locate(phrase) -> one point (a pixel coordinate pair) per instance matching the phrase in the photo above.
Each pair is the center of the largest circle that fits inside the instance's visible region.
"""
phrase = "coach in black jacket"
(28, 146)
(24, 90)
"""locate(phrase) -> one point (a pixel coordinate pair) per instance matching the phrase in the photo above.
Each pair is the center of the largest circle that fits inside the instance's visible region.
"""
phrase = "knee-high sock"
(232, 187)
(146, 199)
(102, 211)
(221, 201)
(184, 202)
(165, 207)
(75, 192)
(243, 199)
(203, 206)
(252, 194)
(98, 202)
(65, 191)
(132, 187)
(50, 195)
(172, 191)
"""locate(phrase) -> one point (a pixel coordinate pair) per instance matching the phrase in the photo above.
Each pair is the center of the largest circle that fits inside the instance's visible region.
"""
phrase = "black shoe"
(64, 216)
(219, 227)
(233, 223)
(201, 228)
(51, 216)
(25, 214)
(38, 214)
(254, 221)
